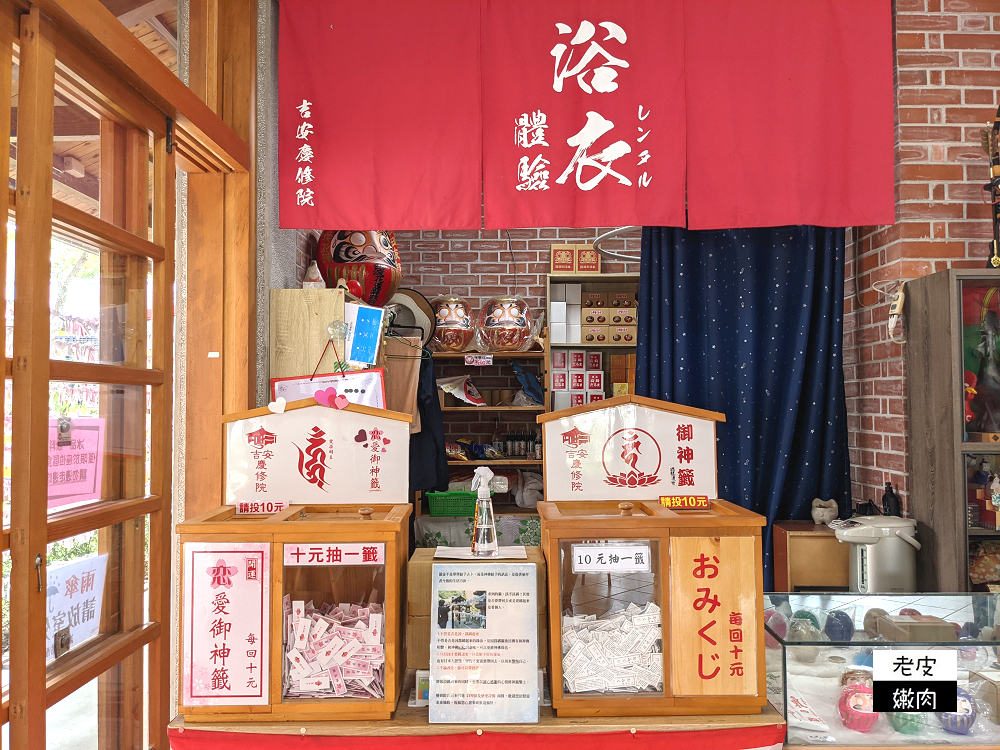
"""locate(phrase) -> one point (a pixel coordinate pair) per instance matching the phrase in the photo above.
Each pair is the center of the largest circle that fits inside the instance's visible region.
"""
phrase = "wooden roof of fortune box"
(630, 448)
(305, 453)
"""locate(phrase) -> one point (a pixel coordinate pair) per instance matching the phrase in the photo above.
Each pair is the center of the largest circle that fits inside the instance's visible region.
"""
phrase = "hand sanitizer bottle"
(484, 533)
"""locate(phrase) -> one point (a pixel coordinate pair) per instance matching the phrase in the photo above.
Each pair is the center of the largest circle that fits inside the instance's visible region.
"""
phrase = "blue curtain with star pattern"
(749, 322)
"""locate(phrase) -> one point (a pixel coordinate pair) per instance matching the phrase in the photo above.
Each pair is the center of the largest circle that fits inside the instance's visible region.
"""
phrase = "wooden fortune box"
(291, 593)
(654, 609)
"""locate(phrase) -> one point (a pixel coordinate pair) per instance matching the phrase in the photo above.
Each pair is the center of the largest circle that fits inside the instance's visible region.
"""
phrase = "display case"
(821, 648)
(653, 611)
(293, 616)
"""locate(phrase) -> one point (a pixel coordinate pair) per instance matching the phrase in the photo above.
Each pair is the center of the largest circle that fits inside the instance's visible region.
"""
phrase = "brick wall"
(947, 76)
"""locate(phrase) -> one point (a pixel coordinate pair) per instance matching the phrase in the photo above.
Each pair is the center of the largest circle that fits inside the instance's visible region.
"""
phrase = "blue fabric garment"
(749, 322)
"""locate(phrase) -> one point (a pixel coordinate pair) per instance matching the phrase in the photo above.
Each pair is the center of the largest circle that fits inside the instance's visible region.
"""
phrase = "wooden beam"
(161, 442)
(71, 124)
(163, 32)
(30, 407)
(87, 188)
(117, 48)
(102, 235)
(92, 372)
(132, 12)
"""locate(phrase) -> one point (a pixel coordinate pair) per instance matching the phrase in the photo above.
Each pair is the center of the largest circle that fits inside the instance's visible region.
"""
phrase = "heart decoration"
(331, 398)
(386, 441)
(339, 402)
(361, 437)
(277, 406)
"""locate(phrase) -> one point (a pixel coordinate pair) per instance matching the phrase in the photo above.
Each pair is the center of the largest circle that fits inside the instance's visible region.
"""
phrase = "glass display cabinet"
(823, 652)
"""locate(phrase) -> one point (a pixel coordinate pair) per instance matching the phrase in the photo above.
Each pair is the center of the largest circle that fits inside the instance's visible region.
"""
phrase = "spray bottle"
(484, 533)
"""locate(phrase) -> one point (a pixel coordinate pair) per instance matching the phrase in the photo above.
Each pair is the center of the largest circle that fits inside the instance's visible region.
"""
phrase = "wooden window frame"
(78, 48)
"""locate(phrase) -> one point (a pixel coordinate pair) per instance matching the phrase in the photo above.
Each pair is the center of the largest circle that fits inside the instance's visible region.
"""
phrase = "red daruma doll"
(370, 259)
(504, 325)
(454, 323)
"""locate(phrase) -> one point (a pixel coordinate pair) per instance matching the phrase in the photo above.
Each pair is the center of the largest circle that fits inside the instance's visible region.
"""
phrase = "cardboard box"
(595, 299)
(588, 260)
(593, 396)
(915, 629)
(557, 293)
(562, 259)
(595, 316)
(574, 314)
(577, 380)
(595, 360)
(559, 360)
(595, 381)
(573, 333)
(560, 380)
(558, 333)
(557, 312)
(560, 400)
(595, 334)
(621, 299)
(625, 316)
(574, 294)
(987, 689)
(622, 334)
(418, 605)
(577, 398)
(577, 359)
(619, 389)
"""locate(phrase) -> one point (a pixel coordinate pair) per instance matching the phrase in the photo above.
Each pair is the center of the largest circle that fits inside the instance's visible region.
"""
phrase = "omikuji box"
(559, 360)
(577, 381)
(294, 616)
(654, 611)
(560, 380)
(577, 359)
(595, 360)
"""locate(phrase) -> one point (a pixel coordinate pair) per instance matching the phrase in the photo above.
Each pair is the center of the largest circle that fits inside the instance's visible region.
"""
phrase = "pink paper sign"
(75, 465)
(226, 623)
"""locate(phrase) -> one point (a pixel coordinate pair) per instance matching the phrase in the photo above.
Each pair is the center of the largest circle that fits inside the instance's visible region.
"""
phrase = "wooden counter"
(413, 722)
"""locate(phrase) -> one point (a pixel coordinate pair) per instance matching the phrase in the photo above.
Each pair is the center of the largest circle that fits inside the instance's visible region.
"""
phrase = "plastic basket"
(452, 503)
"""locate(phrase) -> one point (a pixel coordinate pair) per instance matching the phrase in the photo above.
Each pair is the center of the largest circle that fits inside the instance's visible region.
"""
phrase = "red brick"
(912, 77)
(970, 6)
(981, 230)
(929, 133)
(978, 96)
(930, 211)
(913, 115)
(917, 96)
(977, 59)
(965, 115)
(927, 59)
(935, 249)
(891, 461)
(971, 41)
(978, 211)
(931, 172)
(984, 78)
(911, 41)
(906, 22)
(912, 153)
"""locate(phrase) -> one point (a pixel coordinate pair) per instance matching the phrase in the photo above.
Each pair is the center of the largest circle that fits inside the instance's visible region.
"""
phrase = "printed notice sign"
(75, 593)
(610, 558)
(914, 680)
(484, 647)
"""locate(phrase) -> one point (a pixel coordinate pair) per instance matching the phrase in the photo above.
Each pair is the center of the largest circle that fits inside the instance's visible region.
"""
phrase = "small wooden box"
(339, 554)
(915, 629)
(699, 562)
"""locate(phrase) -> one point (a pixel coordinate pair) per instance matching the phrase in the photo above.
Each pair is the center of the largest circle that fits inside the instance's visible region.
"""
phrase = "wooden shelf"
(589, 345)
(531, 354)
(980, 448)
(560, 278)
(492, 408)
(497, 462)
(973, 531)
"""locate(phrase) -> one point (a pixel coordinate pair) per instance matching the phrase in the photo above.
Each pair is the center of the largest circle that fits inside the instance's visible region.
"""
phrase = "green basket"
(452, 503)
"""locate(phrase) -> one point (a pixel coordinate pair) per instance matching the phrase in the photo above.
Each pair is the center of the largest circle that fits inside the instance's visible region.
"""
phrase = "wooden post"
(30, 407)
(161, 442)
